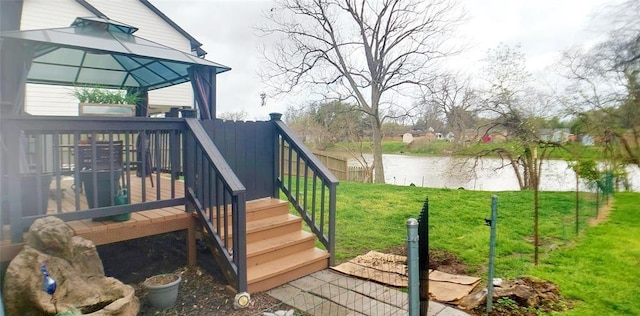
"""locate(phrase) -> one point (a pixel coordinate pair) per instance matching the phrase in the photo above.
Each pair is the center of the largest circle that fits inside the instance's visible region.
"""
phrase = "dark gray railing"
(219, 199)
(307, 183)
(48, 164)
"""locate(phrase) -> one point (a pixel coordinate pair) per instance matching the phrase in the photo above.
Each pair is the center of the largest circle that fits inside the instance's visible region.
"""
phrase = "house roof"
(99, 51)
(91, 9)
(195, 44)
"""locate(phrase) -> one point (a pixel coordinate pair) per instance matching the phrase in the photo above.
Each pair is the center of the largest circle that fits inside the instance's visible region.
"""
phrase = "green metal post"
(413, 263)
(492, 251)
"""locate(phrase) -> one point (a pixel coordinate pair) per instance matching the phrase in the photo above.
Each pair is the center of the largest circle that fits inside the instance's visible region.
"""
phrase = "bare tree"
(234, 115)
(359, 51)
(429, 116)
(604, 89)
(456, 100)
(503, 100)
(515, 108)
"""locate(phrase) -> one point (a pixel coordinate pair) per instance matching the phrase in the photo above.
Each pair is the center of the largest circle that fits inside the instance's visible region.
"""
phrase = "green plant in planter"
(105, 96)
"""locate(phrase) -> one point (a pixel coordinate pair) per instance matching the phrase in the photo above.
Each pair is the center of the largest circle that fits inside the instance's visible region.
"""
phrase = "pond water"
(448, 172)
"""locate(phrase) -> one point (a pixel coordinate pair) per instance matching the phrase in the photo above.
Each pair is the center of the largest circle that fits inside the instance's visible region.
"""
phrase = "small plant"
(70, 312)
(506, 305)
(105, 96)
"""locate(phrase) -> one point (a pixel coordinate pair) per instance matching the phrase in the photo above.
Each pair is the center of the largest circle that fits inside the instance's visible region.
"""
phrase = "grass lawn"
(601, 272)
(373, 217)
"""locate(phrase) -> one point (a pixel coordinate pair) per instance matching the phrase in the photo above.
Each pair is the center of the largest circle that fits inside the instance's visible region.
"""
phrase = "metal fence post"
(492, 250)
(413, 263)
(423, 233)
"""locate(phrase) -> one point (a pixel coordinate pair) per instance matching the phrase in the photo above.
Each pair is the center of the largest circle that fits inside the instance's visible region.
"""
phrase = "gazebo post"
(212, 102)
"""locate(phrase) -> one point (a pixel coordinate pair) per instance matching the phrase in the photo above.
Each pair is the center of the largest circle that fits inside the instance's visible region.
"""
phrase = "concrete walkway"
(330, 293)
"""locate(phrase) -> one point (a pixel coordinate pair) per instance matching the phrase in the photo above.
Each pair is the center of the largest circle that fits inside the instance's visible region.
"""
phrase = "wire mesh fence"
(331, 293)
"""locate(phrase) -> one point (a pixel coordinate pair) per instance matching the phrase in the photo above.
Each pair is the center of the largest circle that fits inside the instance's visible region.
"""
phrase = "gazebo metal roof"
(105, 53)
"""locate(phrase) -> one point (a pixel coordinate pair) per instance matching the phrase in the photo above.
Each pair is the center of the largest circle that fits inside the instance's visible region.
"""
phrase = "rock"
(539, 285)
(473, 300)
(75, 265)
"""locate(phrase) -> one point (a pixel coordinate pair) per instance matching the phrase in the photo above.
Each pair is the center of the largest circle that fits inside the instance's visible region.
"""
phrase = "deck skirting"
(141, 224)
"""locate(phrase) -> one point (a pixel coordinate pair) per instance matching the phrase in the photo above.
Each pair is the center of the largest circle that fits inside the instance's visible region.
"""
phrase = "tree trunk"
(378, 167)
(534, 177)
(521, 175)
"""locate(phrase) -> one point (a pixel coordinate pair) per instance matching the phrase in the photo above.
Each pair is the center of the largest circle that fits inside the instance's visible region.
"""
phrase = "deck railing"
(307, 183)
(58, 165)
(219, 198)
(57, 158)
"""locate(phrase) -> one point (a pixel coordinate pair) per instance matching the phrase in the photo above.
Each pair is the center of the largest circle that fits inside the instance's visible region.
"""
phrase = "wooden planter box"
(103, 109)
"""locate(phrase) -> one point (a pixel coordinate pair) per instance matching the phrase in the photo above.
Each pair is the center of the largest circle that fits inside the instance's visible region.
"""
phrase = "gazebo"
(219, 177)
(100, 52)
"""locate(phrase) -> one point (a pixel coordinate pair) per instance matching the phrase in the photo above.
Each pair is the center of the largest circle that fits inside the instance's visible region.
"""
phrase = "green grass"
(373, 216)
(602, 271)
(600, 268)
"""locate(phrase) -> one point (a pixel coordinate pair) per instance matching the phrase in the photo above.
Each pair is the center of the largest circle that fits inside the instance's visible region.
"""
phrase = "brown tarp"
(392, 270)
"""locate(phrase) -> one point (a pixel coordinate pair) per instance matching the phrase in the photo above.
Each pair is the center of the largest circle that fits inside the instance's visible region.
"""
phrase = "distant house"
(407, 138)
(560, 135)
(428, 136)
(450, 137)
(587, 140)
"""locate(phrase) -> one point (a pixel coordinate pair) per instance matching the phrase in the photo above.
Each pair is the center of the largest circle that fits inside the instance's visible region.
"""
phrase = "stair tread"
(267, 223)
(258, 205)
(263, 203)
(273, 221)
(269, 244)
(272, 268)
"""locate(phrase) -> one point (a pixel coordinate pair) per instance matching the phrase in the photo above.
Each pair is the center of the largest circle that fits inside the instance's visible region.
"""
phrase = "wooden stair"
(278, 249)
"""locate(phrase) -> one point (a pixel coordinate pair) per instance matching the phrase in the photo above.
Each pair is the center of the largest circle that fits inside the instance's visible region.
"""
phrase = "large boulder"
(75, 265)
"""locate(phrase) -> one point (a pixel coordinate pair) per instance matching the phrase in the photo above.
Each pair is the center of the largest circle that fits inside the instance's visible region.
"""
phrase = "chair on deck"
(106, 152)
(108, 155)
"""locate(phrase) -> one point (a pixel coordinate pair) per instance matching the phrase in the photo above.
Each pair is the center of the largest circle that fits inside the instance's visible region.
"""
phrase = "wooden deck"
(159, 191)
(141, 224)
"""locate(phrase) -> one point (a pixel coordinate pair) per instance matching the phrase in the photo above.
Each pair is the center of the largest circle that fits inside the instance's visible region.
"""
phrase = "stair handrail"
(234, 265)
(285, 134)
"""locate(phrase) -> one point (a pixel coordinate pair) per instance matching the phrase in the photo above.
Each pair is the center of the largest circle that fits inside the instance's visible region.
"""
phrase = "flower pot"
(162, 290)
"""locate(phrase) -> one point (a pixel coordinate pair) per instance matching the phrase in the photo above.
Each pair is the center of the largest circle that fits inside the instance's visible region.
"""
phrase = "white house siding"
(154, 28)
(56, 100)
(40, 14)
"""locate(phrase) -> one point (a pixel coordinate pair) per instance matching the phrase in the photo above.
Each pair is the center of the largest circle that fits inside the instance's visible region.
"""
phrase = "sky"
(543, 28)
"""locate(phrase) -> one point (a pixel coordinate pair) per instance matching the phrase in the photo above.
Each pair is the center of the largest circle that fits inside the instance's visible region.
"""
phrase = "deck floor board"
(68, 202)
(141, 224)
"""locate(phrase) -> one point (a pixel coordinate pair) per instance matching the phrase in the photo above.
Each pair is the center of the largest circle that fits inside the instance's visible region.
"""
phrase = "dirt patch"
(160, 279)
(603, 213)
(524, 296)
(203, 290)
(438, 260)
